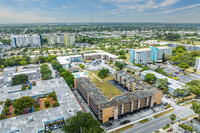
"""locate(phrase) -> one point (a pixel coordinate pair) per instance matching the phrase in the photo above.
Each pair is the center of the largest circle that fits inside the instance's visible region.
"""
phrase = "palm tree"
(173, 118)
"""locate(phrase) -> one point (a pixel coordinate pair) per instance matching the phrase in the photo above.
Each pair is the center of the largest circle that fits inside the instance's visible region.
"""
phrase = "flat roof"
(104, 53)
(134, 67)
(173, 83)
(148, 49)
(66, 59)
(68, 105)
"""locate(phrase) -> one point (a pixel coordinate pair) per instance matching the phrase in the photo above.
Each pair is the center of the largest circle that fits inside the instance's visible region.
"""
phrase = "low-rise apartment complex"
(141, 95)
(145, 55)
(103, 56)
(188, 47)
(197, 64)
(23, 41)
(65, 61)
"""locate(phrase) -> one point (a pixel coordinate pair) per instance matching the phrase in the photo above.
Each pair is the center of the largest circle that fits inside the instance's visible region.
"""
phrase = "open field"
(109, 90)
(105, 79)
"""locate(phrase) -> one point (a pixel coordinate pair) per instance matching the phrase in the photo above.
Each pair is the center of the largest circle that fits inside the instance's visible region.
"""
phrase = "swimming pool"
(77, 75)
(84, 73)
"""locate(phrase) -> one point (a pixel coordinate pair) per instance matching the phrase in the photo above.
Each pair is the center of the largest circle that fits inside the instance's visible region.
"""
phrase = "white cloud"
(182, 8)
(65, 7)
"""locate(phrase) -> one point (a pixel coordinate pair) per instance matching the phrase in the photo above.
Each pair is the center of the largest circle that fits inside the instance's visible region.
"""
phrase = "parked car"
(47, 128)
(51, 127)
(55, 126)
(60, 125)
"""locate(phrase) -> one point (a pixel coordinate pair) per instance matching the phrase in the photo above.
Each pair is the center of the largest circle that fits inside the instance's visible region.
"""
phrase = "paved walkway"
(11, 109)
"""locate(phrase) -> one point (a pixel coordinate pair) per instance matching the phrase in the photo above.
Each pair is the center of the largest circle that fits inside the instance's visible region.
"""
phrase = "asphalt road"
(150, 126)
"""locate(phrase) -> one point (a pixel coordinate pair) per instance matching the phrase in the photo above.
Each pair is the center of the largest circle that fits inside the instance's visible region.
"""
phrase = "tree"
(82, 123)
(124, 36)
(120, 64)
(23, 62)
(183, 65)
(19, 79)
(161, 71)
(162, 84)
(69, 78)
(2, 66)
(196, 108)
(194, 86)
(123, 57)
(56, 65)
(103, 73)
(23, 103)
(121, 52)
(82, 66)
(183, 92)
(47, 103)
(145, 68)
(150, 78)
(163, 58)
(8, 102)
(173, 118)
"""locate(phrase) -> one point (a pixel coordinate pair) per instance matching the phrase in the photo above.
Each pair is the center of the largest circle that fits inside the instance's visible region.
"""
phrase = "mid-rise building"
(103, 56)
(188, 47)
(197, 64)
(141, 95)
(23, 41)
(66, 39)
(65, 61)
(145, 55)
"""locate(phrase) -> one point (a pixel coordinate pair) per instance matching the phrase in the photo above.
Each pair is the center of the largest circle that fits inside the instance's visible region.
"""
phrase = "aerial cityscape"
(99, 66)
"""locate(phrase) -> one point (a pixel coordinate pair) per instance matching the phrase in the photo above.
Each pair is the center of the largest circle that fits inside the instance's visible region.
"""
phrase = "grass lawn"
(93, 79)
(109, 90)
(165, 127)
(103, 79)
(123, 128)
(144, 120)
(163, 113)
(43, 103)
(128, 58)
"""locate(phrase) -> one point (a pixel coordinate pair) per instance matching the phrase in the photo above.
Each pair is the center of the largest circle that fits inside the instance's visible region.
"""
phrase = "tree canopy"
(150, 78)
(56, 65)
(103, 73)
(120, 64)
(82, 123)
(196, 108)
(19, 79)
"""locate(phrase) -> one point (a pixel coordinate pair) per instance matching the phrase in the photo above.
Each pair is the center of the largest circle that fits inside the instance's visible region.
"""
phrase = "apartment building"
(172, 84)
(66, 39)
(197, 64)
(103, 56)
(65, 61)
(145, 55)
(188, 47)
(24, 41)
(141, 95)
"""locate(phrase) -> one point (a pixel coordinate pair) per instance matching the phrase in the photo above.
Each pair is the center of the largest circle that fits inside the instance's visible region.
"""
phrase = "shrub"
(53, 96)
(128, 71)
(47, 103)
(55, 104)
(133, 72)
(24, 87)
(165, 127)
(8, 102)
(82, 66)
(34, 83)
(186, 127)
(36, 105)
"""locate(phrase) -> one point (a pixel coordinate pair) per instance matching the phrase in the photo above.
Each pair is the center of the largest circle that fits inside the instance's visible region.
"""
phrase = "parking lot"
(176, 72)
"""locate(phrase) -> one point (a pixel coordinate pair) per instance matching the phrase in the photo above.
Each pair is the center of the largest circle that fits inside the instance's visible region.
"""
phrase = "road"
(158, 123)
(150, 126)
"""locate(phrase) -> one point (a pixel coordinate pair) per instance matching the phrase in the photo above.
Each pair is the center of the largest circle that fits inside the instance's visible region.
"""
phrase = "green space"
(123, 128)
(24, 105)
(109, 90)
(45, 71)
(163, 113)
(144, 120)
(166, 127)
(19, 79)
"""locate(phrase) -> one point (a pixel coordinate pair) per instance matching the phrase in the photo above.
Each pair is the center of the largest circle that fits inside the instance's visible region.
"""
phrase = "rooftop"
(68, 105)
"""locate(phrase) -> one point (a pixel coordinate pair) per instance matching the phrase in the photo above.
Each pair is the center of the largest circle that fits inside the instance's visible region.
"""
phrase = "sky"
(69, 11)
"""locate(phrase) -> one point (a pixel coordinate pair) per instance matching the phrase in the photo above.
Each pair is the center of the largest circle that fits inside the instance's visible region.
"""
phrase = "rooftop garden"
(28, 104)
(19, 79)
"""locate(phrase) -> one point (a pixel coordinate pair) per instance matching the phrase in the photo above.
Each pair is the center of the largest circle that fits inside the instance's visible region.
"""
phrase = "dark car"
(60, 125)
(51, 127)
